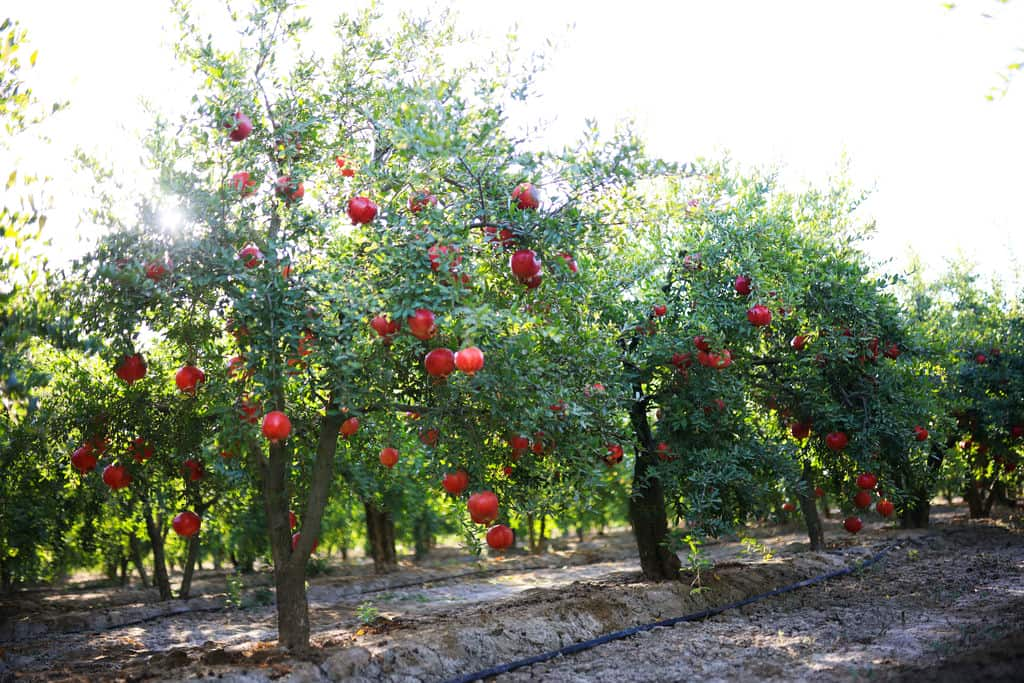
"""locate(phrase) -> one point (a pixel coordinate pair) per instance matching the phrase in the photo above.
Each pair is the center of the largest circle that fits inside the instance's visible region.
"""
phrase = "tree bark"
(805, 493)
(156, 540)
(136, 552)
(190, 564)
(380, 535)
(647, 505)
(975, 502)
(290, 565)
(422, 536)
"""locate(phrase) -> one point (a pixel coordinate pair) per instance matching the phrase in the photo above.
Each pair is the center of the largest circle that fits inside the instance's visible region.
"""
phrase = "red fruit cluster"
(418, 201)
(388, 456)
(192, 469)
(759, 315)
(131, 368)
(429, 436)
(836, 441)
(421, 324)
(116, 476)
(186, 523)
(361, 210)
(483, 507)
(243, 184)
(500, 537)
(439, 362)
(469, 360)
(289, 190)
(526, 266)
(349, 427)
(250, 255)
(140, 450)
(188, 379)
(385, 328)
(615, 454)
(526, 196)
(455, 482)
(276, 426)
(84, 458)
(240, 125)
(742, 284)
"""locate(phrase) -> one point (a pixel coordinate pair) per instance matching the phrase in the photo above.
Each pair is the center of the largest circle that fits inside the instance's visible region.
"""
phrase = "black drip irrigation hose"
(694, 616)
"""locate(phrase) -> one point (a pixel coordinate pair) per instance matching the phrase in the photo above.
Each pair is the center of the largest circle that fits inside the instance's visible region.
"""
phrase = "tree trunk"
(380, 535)
(805, 493)
(156, 540)
(422, 536)
(647, 505)
(975, 502)
(190, 564)
(124, 570)
(136, 553)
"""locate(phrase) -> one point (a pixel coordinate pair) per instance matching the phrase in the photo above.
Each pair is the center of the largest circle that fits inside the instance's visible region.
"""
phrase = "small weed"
(234, 591)
(367, 613)
(751, 546)
(913, 554)
(697, 562)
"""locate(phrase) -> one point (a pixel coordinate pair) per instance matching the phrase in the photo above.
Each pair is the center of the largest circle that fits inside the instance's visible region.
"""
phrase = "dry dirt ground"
(942, 604)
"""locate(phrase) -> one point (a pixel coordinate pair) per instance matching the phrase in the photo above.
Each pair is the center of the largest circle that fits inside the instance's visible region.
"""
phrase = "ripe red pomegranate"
(240, 127)
(289, 190)
(525, 265)
(500, 537)
(1016, 431)
(884, 507)
(853, 524)
(131, 368)
(140, 450)
(615, 454)
(84, 459)
(421, 200)
(276, 426)
(251, 255)
(867, 481)
(192, 469)
(788, 507)
(349, 427)
(663, 452)
(469, 360)
(836, 441)
(295, 541)
(570, 262)
(892, 351)
(429, 436)
(526, 196)
(346, 170)
(800, 430)
(249, 411)
(702, 344)
(421, 324)
(920, 433)
(862, 499)
(384, 327)
(798, 342)
(440, 252)
(388, 456)
(980, 359)
(819, 492)
(293, 521)
(519, 444)
(742, 284)
(361, 210)
(455, 482)
(156, 271)
(439, 362)
(759, 315)
(483, 507)
(659, 309)
(243, 184)
(682, 360)
(116, 476)
(188, 379)
(186, 523)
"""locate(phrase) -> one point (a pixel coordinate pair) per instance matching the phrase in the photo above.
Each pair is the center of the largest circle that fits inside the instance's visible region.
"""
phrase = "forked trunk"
(156, 540)
(136, 552)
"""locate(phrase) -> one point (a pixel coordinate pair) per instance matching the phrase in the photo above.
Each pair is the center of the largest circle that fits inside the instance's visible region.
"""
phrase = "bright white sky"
(899, 87)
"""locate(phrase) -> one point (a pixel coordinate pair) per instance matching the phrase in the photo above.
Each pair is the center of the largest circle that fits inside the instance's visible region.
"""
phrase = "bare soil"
(945, 603)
